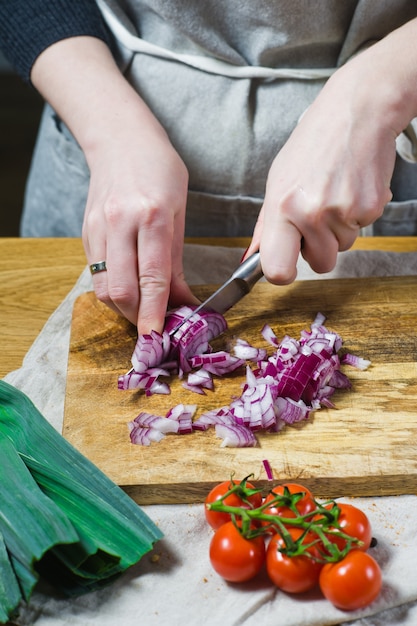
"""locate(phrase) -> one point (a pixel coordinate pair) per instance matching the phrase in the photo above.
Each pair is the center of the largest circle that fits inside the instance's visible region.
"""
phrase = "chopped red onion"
(244, 351)
(211, 418)
(283, 388)
(150, 350)
(194, 388)
(194, 335)
(218, 363)
(268, 469)
(144, 380)
(291, 411)
(158, 387)
(235, 436)
(183, 414)
(269, 335)
(168, 353)
(148, 420)
(144, 436)
(355, 361)
(201, 378)
(319, 319)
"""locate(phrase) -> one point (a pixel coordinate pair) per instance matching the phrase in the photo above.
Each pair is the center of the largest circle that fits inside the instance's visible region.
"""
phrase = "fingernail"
(244, 254)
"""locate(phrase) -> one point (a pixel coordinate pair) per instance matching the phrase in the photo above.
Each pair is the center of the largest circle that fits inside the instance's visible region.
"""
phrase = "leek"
(61, 518)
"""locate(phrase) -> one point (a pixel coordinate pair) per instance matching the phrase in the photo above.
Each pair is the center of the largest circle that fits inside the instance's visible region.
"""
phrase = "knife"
(234, 289)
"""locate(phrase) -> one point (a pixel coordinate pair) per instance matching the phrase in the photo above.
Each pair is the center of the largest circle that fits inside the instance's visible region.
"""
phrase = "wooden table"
(37, 274)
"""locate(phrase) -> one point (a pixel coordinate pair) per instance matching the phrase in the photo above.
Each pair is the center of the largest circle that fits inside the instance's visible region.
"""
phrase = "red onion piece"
(211, 418)
(150, 350)
(145, 436)
(291, 411)
(235, 436)
(218, 363)
(244, 351)
(183, 415)
(269, 335)
(355, 361)
(143, 380)
(268, 469)
(194, 388)
(201, 378)
(194, 335)
(163, 424)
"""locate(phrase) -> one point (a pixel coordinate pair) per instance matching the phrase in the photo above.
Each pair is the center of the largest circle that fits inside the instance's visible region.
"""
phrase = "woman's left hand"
(333, 175)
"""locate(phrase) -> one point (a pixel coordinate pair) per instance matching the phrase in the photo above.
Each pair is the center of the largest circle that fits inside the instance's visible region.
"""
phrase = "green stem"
(321, 522)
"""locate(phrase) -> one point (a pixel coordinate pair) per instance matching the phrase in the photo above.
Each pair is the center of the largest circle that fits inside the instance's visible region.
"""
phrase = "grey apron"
(228, 81)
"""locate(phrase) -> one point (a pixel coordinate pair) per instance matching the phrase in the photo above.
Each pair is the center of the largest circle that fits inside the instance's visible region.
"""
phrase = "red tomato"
(352, 583)
(217, 518)
(233, 557)
(293, 574)
(355, 523)
(304, 506)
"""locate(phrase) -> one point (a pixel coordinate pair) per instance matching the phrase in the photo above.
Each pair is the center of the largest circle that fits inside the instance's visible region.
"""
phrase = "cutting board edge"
(334, 487)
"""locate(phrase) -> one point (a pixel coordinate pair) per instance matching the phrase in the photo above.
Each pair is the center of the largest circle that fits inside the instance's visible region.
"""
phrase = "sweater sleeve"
(28, 27)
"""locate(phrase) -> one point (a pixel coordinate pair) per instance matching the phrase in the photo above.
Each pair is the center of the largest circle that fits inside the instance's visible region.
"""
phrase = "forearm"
(383, 80)
(397, 57)
(81, 81)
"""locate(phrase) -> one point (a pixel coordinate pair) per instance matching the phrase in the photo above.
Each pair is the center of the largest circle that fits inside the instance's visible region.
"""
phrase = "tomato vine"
(304, 537)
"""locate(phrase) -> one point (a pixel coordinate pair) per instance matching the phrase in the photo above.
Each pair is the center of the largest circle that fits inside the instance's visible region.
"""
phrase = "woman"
(216, 118)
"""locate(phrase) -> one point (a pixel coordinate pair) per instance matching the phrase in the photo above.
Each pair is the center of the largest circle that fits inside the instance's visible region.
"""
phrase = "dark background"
(20, 111)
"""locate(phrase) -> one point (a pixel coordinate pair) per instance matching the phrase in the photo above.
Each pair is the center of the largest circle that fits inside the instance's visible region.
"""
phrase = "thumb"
(280, 244)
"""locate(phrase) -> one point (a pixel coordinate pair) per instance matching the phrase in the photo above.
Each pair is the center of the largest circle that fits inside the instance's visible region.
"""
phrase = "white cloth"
(175, 584)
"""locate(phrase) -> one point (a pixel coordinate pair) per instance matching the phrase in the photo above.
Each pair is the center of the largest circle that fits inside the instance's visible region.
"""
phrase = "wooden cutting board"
(367, 446)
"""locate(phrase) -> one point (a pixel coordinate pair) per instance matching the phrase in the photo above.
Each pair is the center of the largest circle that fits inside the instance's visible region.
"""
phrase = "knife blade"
(234, 289)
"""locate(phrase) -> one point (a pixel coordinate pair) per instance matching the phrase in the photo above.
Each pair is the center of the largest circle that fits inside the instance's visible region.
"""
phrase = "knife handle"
(250, 271)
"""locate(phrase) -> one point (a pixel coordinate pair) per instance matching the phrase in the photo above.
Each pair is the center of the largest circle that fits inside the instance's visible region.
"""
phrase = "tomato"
(352, 583)
(304, 506)
(217, 518)
(293, 574)
(355, 523)
(233, 557)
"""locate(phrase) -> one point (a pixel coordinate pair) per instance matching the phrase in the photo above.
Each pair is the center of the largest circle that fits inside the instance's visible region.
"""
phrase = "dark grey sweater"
(28, 27)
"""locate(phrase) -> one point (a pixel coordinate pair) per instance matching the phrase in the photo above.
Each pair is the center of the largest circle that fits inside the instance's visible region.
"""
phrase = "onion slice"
(235, 436)
(268, 469)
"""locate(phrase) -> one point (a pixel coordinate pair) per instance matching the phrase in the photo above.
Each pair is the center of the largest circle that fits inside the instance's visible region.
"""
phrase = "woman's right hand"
(134, 220)
(135, 213)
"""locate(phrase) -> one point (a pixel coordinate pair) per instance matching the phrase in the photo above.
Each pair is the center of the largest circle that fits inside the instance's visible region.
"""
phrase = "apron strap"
(406, 143)
(207, 64)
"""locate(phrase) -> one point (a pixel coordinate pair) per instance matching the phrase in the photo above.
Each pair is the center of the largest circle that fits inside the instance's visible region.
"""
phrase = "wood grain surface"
(35, 276)
(366, 446)
(37, 273)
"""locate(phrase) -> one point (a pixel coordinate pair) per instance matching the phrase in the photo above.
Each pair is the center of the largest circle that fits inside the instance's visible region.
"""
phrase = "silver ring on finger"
(95, 268)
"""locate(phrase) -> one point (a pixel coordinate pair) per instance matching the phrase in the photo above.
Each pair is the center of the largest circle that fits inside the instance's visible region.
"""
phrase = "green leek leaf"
(10, 595)
(60, 516)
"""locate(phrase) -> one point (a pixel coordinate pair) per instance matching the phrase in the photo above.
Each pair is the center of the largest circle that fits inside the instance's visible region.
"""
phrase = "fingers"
(138, 277)
(143, 264)
(295, 224)
(154, 273)
(180, 292)
(279, 253)
(320, 251)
